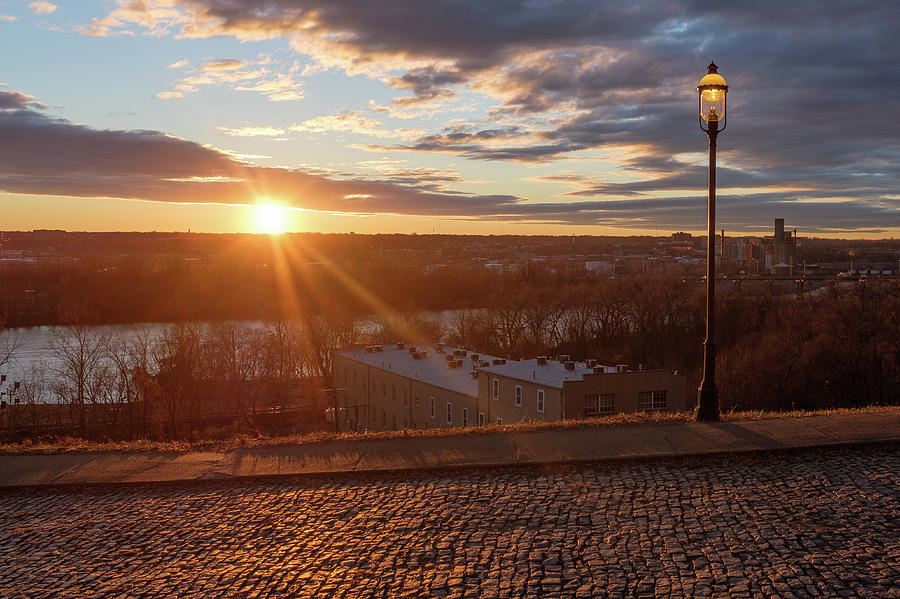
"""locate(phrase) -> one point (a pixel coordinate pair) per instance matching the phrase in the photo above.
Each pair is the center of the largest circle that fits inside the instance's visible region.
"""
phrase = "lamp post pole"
(708, 394)
(713, 91)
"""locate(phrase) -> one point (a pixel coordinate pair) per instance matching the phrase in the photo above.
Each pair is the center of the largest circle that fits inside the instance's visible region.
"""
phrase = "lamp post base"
(707, 409)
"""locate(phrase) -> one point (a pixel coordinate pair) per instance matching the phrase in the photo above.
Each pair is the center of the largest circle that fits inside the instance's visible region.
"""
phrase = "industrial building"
(396, 386)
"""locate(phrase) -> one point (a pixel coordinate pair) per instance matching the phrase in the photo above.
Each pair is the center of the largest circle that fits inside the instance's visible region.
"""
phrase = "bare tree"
(79, 352)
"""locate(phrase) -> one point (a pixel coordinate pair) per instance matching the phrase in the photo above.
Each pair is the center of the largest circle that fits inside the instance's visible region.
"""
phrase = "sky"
(447, 116)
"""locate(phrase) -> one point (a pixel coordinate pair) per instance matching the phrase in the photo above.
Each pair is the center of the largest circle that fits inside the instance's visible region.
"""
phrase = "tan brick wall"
(377, 399)
(626, 387)
(506, 408)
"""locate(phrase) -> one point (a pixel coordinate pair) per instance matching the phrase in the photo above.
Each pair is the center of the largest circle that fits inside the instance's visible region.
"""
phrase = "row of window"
(482, 418)
(539, 400)
(604, 404)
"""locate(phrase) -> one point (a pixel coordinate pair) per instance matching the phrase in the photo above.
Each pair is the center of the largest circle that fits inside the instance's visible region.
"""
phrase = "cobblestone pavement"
(817, 523)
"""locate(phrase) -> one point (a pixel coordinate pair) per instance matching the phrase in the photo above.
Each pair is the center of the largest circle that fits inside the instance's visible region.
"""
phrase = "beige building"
(396, 387)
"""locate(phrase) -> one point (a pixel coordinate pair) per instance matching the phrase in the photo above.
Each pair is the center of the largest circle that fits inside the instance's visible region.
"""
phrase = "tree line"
(836, 347)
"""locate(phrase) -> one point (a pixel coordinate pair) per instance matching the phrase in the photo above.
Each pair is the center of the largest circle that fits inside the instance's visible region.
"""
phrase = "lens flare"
(271, 219)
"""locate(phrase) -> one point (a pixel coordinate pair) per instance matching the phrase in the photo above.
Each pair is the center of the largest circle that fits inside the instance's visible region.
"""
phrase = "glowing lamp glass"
(712, 104)
(712, 90)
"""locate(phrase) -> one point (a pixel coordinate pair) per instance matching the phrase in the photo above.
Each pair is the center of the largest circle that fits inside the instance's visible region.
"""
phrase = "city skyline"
(448, 117)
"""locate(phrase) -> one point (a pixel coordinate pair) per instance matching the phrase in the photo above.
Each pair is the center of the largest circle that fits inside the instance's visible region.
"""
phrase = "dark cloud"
(814, 100)
(44, 155)
(13, 100)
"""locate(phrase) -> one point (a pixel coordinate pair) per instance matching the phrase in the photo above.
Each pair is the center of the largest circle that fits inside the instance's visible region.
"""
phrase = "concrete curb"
(534, 449)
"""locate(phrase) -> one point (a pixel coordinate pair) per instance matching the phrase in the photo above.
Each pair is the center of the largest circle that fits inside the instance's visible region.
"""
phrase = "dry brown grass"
(76, 445)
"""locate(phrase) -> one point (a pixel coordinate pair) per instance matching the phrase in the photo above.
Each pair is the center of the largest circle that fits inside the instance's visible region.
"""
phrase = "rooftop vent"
(369, 349)
(542, 360)
(565, 358)
(379, 348)
(570, 365)
(401, 346)
(499, 361)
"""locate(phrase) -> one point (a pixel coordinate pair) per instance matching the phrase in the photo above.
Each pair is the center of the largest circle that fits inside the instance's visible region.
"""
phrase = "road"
(799, 524)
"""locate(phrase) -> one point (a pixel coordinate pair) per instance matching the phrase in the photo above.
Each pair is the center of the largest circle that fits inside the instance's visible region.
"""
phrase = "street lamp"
(711, 106)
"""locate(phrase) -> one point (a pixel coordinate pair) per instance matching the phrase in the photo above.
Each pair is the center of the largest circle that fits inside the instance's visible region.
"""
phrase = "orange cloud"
(42, 8)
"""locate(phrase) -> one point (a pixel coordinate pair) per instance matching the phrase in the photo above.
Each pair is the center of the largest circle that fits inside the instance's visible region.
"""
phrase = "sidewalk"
(488, 449)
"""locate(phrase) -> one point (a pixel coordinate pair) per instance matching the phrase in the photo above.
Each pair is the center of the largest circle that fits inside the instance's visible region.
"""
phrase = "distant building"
(395, 387)
(784, 245)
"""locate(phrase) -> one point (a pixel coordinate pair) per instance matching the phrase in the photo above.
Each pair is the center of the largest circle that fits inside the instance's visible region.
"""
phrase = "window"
(465, 416)
(393, 393)
(499, 420)
(431, 403)
(540, 401)
(482, 419)
(651, 401)
(519, 396)
(600, 405)
(495, 389)
(449, 413)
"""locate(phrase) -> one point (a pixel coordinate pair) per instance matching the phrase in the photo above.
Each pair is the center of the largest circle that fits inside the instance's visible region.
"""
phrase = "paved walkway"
(821, 522)
(474, 450)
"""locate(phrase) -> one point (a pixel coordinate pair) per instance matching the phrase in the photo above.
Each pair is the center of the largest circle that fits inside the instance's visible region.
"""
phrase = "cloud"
(252, 131)
(42, 8)
(225, 64)
(814, 101)
(15, 101)
(8, 18)
(280, 88)
(345, 122)
(179, 64)
(240, 75)
(56, 157)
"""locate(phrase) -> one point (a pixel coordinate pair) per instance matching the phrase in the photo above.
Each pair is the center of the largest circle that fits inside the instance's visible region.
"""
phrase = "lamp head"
(712, 90)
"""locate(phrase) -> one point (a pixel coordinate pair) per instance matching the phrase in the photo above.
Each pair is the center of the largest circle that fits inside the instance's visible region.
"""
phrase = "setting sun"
(270, 219)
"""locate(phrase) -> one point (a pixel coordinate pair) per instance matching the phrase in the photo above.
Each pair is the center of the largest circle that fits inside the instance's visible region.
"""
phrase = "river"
(33, 353)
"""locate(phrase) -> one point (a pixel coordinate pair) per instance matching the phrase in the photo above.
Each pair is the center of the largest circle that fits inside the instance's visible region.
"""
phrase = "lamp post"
(711, 106)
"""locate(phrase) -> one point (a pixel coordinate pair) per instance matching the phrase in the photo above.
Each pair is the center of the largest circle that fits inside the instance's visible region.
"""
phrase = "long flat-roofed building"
(396, 386)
